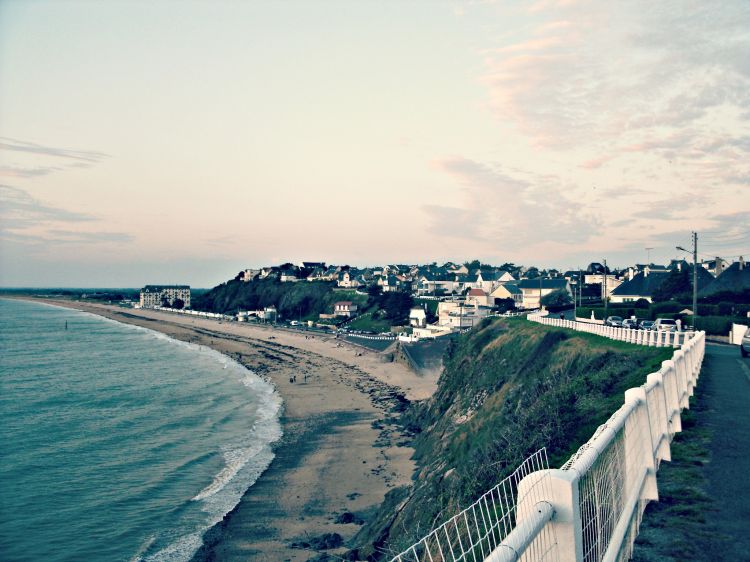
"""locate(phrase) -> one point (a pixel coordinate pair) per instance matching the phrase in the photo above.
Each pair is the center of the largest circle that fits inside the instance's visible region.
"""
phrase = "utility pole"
(695, 276)
(540, 291)
(605, 289)
(695, 279)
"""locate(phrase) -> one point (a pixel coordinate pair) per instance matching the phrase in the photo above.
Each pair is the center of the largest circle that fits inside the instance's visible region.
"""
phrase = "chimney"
(742, 263)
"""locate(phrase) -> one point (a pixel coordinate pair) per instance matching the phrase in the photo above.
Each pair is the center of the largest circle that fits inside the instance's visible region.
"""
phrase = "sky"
(179, 142)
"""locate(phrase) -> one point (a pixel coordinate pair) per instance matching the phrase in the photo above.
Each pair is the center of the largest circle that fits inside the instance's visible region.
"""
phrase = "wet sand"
(341, 451)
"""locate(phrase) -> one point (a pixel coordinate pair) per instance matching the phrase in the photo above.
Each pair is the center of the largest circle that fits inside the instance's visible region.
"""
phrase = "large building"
(160, 295)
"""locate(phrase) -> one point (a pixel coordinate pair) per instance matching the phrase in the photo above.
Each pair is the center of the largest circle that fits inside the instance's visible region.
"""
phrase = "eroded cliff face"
(509, 388)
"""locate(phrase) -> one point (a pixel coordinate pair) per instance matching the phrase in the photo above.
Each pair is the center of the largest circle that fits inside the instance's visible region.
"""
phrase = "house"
(389, 283)
(347, 279)
(716, 266)
(479, 297)
(161, 295)
(268, 272)
(248, 275)
(612, 282)
(457, 269)
(289, 276)
(317, 274)
(345, 308)
(533, 289)
(431, 331)
(417, 317)
(312, 265)
(487, 280)
(734, 279)
(431, 283)
(459, 315)
(641, 286)
(508, 291)
(270, 314)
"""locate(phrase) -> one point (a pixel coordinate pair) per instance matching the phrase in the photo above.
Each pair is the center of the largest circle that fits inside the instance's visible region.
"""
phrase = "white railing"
(511, 516)
(657, 338)
(590, 509)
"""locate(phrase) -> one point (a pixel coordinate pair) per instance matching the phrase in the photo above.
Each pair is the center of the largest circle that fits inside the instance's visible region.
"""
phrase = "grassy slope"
(509, 388)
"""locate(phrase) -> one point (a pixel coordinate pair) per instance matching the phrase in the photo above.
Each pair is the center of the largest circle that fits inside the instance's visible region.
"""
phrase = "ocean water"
(118, 443)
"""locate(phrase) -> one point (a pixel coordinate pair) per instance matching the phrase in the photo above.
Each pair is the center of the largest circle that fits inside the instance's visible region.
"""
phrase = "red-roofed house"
(345, 308)
(478, 296)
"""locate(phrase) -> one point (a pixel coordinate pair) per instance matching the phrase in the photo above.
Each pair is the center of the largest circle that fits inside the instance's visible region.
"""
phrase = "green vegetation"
(366, 322)
(306, 301)
(675, 528)
(292, 300)
(509, 388)
(557, 298)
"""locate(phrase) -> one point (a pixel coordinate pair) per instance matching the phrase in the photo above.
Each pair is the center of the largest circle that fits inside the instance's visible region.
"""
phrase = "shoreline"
(341, 451)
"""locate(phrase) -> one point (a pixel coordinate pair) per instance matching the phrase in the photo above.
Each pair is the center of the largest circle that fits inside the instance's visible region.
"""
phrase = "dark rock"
(349, 517)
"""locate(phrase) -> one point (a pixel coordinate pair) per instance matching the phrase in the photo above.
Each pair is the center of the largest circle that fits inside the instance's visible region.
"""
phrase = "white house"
(345, 308)
(534, 289)
(508, 291)
(347, 280)
(417, 317)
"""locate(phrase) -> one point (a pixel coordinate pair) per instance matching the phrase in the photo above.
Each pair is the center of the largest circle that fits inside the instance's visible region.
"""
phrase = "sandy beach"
(341, 452)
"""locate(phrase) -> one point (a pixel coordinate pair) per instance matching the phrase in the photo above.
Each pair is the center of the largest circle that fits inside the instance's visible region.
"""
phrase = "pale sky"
(179, 142)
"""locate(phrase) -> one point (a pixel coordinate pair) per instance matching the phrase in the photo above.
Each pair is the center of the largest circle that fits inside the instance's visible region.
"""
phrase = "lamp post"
(605, 290)
(695, 276)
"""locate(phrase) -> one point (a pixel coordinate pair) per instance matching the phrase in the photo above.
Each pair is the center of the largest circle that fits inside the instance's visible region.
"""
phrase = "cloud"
(19, 172)
(18, 209)
(671, 81)
(26, 221)
(15, 145)
(504, 210)
(77, 237)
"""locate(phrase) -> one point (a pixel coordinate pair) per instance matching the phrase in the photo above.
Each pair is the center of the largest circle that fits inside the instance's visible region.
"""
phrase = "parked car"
(745, 344)
(647, 325)
(665, 324)
(614, 321)
(630, 323)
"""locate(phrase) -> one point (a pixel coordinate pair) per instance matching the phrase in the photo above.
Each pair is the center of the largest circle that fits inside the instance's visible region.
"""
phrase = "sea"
(117, 442)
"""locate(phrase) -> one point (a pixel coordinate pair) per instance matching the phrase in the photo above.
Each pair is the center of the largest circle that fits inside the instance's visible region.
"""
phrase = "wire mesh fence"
(474, 533)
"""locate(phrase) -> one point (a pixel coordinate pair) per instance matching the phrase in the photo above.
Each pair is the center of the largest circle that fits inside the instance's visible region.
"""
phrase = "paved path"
(703, 511)
(726, 381)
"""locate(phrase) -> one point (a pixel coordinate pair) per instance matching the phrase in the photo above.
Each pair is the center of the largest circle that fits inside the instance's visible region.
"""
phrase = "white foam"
(244, 462)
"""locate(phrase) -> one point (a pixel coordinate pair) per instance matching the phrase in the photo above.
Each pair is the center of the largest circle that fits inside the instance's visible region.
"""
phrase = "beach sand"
(341, 451)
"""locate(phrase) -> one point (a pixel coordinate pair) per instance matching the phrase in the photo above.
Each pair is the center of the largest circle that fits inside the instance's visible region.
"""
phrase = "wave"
(244, 461)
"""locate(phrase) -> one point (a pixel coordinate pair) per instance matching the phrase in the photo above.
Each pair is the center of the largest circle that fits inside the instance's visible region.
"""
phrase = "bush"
(664, 307)
(716, 325)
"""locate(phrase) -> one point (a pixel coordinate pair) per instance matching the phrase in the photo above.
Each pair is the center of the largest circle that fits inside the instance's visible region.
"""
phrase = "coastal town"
(416, 302)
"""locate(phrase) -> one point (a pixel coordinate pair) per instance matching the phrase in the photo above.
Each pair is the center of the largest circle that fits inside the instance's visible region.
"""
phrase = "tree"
(396, 306)
(504, 305)
(677, 284)
(560, 297)
(179, 304)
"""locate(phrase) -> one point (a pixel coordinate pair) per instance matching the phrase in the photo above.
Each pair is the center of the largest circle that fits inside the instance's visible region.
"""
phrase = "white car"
(745, 344)
(665, 325)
